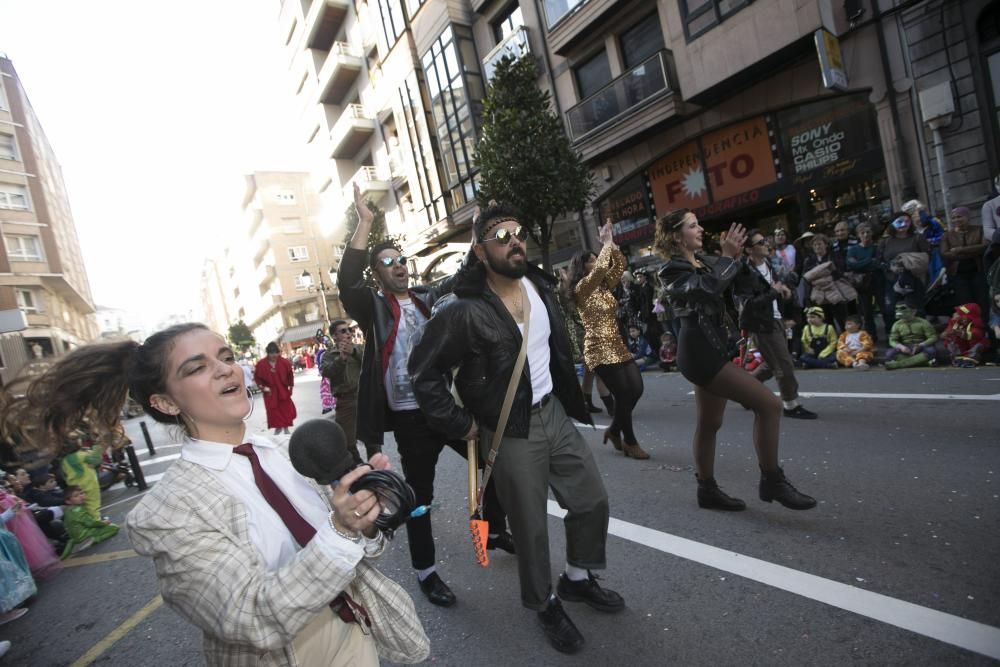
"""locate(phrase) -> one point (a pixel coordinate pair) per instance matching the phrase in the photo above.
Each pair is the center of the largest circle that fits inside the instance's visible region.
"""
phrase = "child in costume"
(819, 341)
(855, 349)
(668, 351)
(79, 524)
(965, 336)
(912, 341)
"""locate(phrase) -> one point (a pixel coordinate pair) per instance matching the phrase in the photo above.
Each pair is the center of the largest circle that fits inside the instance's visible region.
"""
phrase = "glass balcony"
(555, 10)
(622, 96)
(514, 46)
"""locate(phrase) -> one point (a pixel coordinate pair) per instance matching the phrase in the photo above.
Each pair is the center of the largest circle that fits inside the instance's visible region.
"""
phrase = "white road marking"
(954, 630)
(911, 397)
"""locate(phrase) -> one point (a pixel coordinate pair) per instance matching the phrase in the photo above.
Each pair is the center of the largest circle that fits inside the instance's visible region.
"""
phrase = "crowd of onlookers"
(50, 511)
(915, 291)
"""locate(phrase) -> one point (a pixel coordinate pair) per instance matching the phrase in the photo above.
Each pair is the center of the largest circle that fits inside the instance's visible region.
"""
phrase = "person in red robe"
(273, 374)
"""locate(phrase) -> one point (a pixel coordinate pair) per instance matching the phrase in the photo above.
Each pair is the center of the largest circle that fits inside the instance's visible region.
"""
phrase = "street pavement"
(896, 566)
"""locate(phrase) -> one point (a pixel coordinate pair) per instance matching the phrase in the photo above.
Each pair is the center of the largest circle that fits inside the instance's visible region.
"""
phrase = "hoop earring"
(249, 398)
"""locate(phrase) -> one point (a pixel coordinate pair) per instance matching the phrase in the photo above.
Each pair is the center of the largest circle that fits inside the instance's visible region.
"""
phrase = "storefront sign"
(738, 158)
(830, 62)
(677, 180)
(628, 208)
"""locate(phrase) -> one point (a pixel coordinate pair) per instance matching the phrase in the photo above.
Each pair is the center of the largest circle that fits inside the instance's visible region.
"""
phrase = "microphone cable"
(395, 496)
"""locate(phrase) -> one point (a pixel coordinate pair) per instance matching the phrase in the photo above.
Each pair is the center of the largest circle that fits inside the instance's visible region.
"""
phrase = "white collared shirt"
(266, 529)
(539, 354)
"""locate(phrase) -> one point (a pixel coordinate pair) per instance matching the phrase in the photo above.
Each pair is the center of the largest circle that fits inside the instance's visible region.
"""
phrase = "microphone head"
(318, 449)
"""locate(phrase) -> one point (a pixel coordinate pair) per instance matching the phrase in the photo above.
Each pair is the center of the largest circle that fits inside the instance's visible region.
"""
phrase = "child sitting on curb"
(911, 341)
(819, 341)
(80, 526)
(855, 349)
(965, 336)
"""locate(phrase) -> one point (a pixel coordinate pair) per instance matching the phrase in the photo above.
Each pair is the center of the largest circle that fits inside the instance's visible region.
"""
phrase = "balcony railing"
(514, 46)
(620, 97)
(555, 10)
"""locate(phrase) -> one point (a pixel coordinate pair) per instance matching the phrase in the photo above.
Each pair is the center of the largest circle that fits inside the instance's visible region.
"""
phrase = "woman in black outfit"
(695, 286)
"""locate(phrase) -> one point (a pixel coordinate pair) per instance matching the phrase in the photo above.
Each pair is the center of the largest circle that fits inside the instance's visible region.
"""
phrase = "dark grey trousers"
(773, 347)
(554, 456)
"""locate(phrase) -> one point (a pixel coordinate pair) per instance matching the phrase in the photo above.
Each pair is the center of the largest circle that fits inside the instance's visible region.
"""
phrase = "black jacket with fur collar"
(473, 331)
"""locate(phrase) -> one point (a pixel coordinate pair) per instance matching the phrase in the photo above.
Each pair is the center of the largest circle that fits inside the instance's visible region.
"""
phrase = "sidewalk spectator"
(651, 329)
(44, 491)
(641, 351)
(900, 238)
(829, 289)
(962, 249)
(16, 582)
(819, 341)
(843, 241)
(79, 467)
(855, 348)
(965, 336)
(912, 341)
(862, 264)
(907, 286)
(991, 212)
(274, 375)
(83, 530)
(41, 556)
(931, 229)
(784, 256)
(668, 352)
(341, 367)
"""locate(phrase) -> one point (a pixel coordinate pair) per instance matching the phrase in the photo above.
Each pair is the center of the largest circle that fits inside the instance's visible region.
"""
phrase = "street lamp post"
(320, 288)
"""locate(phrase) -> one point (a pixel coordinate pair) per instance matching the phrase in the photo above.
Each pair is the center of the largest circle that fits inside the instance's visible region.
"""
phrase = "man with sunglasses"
(341, 365)
(479, 331)
(391, 318)
(756, 291)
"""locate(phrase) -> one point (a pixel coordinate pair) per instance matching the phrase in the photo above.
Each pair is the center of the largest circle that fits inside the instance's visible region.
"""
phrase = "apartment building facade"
(41, 266)
(275, 275)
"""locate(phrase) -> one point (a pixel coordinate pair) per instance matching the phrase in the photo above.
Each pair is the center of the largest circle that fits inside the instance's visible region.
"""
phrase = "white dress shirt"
(539, 355)
(266, 529)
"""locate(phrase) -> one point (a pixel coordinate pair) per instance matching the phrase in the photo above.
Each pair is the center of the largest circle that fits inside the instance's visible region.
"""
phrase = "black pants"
(625, 383)
(52, 529)
(419, 448)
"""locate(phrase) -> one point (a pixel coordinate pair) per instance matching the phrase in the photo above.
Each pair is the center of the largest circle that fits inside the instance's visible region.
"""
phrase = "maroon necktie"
(345, 606)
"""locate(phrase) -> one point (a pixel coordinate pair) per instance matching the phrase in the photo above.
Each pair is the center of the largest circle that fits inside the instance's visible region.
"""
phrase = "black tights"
(625, 383)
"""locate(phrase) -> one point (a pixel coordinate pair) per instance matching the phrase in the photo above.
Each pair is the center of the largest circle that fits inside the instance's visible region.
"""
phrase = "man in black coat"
(479, 331)
(392, 318)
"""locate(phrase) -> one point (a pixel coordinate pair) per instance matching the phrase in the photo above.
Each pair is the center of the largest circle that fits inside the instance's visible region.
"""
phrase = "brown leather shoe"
(616, 440)
(635, 451)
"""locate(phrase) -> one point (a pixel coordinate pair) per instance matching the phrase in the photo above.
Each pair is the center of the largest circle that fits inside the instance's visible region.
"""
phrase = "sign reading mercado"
(628, 208)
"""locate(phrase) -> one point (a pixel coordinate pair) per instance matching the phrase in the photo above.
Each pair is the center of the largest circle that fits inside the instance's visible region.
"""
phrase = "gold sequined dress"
(602, 342)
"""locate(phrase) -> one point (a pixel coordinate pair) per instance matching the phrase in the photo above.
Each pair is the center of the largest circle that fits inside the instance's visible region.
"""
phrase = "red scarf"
(390, 340)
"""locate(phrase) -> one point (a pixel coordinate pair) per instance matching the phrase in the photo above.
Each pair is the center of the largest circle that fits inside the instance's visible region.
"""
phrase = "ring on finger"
(356, 514)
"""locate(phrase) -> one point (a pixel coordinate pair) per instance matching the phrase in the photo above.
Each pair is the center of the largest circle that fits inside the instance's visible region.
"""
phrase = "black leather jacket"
(700, 292)
(371, 309)
(754, 299)
(474, 332)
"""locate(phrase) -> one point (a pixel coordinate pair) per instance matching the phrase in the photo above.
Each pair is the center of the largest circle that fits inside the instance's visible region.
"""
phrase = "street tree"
(524, 156)
(240, 336)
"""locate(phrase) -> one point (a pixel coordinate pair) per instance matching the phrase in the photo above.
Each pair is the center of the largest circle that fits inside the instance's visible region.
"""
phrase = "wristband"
(356, 538)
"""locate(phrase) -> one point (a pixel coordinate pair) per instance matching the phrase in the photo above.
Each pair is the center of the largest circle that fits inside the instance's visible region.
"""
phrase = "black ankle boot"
(774, 486)
(711, 497)
(609, 404)
(590, 405)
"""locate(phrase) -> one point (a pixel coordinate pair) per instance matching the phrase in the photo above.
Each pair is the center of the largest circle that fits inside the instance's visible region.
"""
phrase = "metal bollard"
(149, 441)
(133, 460)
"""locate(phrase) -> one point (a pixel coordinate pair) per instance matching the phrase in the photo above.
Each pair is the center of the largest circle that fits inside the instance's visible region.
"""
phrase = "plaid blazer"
(211, 574)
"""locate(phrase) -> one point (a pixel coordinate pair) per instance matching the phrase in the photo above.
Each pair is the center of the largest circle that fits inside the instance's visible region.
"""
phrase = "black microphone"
(318, 450)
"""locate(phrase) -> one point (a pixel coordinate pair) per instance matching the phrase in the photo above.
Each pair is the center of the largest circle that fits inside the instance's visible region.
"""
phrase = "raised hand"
(364, 213)
(606, 233)
(733, 240)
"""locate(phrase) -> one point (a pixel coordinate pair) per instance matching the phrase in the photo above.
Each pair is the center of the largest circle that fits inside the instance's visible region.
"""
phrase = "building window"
(456, 91)
(7, 148)
(26, 301)
(3, 99)
(555, 10)
(24, 248)
(13, 197)
(432, 203)
(641, 41)
(509, 21)
(700, 16)
(285, 197)
(412, 6)
(298, 253)
(291, 226)
(393, 21)
(593, 75)
(300, 283)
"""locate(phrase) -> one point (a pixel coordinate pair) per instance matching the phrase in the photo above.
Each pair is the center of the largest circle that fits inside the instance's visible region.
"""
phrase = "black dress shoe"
(437, 591)
(711, 497)
(799, 412)
(590, 592)
(775, 486)
(503, 541)
(559, 630)
(590, 406)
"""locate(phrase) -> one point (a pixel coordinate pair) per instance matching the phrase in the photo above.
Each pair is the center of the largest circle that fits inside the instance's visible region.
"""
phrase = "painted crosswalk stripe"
(954, 630)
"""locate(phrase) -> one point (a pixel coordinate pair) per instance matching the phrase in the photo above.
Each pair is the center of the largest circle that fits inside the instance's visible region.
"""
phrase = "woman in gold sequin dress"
(593, 277)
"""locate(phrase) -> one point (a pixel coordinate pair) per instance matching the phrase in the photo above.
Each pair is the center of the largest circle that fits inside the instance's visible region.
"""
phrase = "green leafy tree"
(524, 156)
(241, 337)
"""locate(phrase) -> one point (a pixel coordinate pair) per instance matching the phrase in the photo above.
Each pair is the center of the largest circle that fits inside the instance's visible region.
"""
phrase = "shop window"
(593, 75)
(509, 21)
(700, 16)
(641, 41)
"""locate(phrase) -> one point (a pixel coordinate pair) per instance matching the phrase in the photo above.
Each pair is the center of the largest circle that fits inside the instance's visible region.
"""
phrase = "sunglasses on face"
(503, 236)
(389, 261)
(341, 331)
(760, 242)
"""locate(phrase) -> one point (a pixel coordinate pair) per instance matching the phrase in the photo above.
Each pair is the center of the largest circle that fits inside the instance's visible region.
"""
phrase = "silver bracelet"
(376, 545)
(356, 538)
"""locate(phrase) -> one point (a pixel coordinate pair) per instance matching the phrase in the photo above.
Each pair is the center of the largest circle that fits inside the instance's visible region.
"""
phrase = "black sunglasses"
(341, 331)
(388, 261)
(503, 236)
(761, 242)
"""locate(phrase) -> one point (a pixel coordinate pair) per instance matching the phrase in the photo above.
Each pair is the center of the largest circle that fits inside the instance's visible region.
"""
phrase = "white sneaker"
(4, 647)
(13, 615)
(86, 544)
(861, 366)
